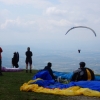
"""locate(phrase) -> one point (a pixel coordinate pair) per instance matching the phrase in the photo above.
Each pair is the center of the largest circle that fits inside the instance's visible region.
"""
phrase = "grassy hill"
(10, 84)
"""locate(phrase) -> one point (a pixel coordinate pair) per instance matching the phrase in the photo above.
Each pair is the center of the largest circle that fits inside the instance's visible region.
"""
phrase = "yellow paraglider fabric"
(71, 91)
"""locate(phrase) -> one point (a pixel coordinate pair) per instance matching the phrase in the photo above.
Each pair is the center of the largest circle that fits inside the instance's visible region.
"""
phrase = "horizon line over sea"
(62, 60)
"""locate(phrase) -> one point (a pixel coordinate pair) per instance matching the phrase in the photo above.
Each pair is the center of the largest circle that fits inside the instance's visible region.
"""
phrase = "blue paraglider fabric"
(48, 82)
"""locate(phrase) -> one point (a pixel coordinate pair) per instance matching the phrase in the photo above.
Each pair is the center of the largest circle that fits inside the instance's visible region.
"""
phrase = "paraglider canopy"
(81, 27)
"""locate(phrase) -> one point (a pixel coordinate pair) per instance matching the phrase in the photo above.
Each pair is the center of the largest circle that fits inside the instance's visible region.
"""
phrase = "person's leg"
(14, 65)
(30, 66)
(26, 67)
(17, 65)
(0, 68)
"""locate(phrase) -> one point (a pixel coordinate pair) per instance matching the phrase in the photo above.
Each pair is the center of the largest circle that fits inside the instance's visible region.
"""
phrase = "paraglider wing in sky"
(81, 27)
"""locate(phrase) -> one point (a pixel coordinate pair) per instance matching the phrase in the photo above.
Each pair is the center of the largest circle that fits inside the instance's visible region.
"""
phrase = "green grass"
(11, 82)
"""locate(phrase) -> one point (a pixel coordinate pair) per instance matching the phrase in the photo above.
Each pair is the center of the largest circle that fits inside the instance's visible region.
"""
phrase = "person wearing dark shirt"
(83, 73)
(0, 61)
(28, 60)
(15, 60)
(48, 67)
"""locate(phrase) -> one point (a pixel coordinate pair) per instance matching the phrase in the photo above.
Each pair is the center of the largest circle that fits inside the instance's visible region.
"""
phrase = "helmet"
(49, 64)
(82, 64)
(28, 48)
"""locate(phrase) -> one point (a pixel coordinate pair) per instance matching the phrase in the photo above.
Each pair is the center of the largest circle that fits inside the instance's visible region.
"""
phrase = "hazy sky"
(45, 22)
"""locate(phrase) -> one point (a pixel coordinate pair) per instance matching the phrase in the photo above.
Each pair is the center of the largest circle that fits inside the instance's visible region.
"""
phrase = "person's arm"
(51, 73)
(75, 75)
(26, 53)
(31, 54)
(1, 49)
(77, 71)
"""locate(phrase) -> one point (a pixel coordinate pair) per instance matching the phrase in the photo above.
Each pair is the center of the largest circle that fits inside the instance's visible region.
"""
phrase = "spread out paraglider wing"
(81, 27)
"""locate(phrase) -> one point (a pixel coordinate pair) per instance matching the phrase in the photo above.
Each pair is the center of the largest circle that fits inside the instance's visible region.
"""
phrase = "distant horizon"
(62, 60)
(66, 46)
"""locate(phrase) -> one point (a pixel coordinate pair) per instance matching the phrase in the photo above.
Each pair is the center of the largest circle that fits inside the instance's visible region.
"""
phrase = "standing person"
(15, 60)
(28, 60)
(83, 73)
(0, 61)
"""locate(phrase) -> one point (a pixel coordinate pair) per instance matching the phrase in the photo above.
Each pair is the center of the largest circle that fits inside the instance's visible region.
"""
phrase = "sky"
(44, 23)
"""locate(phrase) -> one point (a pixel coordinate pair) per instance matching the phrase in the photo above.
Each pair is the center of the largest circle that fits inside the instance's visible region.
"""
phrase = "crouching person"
(83, 73)
(46, 73)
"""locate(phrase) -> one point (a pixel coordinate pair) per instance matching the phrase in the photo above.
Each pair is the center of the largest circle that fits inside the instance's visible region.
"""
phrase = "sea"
(63, 60)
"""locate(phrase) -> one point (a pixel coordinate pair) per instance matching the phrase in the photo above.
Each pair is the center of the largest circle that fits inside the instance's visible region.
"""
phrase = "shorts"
(29, 61)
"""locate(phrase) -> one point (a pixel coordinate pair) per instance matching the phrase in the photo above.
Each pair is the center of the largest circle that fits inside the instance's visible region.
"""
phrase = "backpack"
(83, 75)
